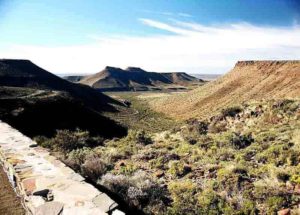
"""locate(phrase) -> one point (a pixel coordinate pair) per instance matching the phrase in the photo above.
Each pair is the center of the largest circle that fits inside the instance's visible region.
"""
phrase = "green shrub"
(140, 137)
(190, 132)
(197, 127)
(224, 154)
(44, 142)
(287, 106)
(94, 167)
(231, 111)
(211, 203)
(293, 158)
(295, 178)
(217, 127)
(116, 183)
(139, 190)
(128, 169)
(124, 147)
(274, 204)
(249, 207)
(205, 142)
(185, 198)
(66, 140)
(240, 141)
(282, 176)
(178, 168)
(76, 158)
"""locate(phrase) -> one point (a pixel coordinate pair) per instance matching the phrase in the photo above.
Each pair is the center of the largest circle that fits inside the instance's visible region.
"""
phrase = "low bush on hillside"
(240, 141)
(185, 196)
(139, 190)
(142, 138)
(231, 111)
(66, 140)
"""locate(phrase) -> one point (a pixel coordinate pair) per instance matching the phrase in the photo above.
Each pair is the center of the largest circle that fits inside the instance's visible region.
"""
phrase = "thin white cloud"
(166, 13)
(163, 26)
(185, 15)
(192, 48)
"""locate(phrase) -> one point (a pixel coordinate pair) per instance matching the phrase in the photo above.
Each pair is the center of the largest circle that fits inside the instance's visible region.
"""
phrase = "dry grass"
(249, 80)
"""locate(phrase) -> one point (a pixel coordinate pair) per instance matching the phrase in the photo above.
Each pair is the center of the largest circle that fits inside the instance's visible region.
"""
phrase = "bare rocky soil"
(10, 202)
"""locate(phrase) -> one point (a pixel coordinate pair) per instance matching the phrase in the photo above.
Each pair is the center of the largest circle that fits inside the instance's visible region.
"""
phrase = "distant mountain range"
(135, 79)
(207, 77)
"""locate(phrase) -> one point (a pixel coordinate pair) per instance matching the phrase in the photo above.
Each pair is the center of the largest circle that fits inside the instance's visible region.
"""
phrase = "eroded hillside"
(246, 81)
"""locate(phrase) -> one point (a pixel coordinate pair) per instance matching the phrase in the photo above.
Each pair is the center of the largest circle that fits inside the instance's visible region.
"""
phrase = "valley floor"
(139, 115)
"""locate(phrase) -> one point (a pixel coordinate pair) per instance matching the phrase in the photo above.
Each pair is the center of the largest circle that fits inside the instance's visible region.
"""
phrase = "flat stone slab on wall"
(35, 171)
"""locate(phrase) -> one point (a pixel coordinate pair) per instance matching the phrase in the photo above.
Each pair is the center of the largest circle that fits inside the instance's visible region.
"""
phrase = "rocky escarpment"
(248, 80)
(266, 62)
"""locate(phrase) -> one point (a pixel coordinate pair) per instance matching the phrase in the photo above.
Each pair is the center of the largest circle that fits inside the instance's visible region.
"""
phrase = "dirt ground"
(10, 203)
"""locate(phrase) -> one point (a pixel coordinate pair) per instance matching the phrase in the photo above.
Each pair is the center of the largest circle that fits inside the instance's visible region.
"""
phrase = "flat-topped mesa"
(175, 73)
(134, 69)
(136, 79)
(111, 68)
(266, 62)
(14, 60)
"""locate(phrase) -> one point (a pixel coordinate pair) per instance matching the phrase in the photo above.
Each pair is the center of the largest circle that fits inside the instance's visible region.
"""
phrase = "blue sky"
(59, 34)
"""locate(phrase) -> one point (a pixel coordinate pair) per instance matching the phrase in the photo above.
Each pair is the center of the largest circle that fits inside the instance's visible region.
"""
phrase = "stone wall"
(46, 184)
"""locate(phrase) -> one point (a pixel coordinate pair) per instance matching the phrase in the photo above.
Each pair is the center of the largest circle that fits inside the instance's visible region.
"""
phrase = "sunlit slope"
(248, 80)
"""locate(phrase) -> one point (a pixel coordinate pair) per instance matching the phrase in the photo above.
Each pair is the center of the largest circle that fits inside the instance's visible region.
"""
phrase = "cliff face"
(248, 80)
(266, 62)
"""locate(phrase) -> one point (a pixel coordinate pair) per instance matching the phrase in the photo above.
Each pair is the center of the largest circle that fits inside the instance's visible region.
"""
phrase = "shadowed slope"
(37, 102)
(44, 114)
(247, 80)
(74, 78)
(23, 73)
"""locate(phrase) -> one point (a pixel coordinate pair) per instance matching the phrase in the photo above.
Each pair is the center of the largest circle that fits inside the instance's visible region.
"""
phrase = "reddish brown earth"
(10, 203)
(248, 80)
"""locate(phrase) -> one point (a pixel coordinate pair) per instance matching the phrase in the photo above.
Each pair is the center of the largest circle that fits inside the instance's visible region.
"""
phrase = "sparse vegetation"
(251, 166)
(246, 81)
(140, 116)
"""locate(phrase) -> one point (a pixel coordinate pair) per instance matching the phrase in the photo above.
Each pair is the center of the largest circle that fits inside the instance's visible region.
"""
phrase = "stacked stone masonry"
(48, 186)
